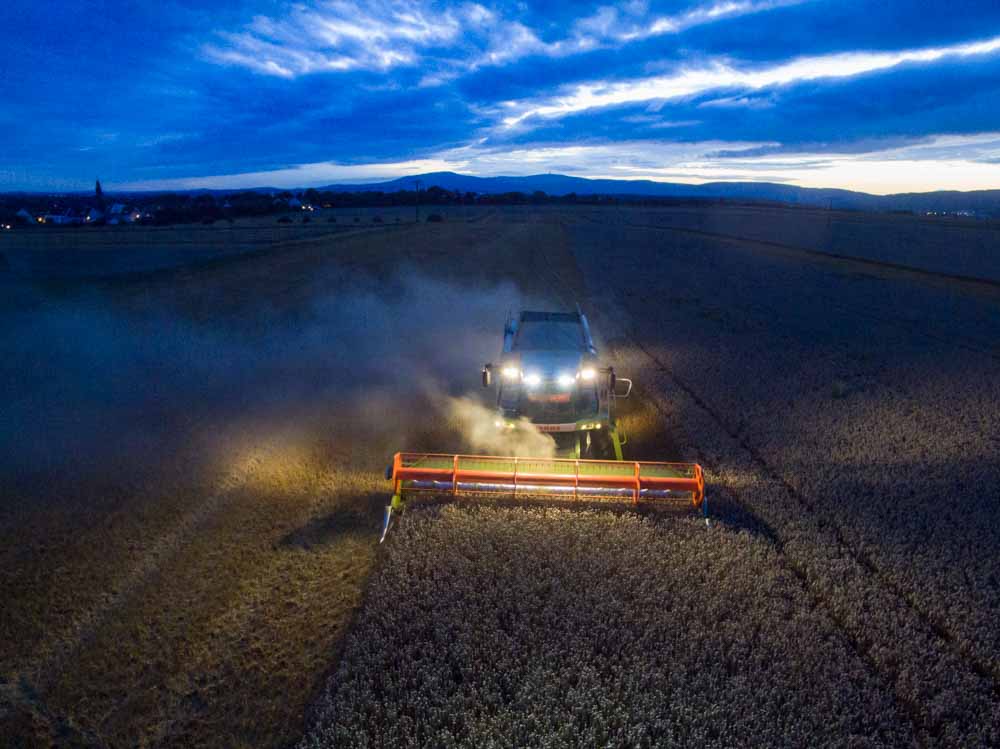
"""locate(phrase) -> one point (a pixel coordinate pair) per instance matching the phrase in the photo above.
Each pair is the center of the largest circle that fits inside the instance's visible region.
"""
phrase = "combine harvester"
(550, 374)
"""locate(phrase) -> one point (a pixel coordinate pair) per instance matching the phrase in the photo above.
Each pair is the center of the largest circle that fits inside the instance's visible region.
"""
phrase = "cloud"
(331, 90)
(301, 175)
(633, 22)
(345, 35)
(723, 75)
(830, 26)
(337, 36)
(741, 102)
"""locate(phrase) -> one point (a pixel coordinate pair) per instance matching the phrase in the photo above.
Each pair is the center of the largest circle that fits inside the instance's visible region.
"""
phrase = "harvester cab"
(550, 374)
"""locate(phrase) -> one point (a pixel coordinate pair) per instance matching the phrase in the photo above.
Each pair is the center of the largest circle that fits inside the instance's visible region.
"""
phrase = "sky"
(883, 97)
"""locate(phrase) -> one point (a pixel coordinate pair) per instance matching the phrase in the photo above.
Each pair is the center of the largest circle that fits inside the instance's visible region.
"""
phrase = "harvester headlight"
(510, 373)
(565, 380)
(588, 373)
(532, 379)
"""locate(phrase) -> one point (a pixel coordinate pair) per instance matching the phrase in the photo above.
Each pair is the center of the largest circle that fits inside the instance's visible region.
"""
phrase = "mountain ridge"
(975, 202)
(985, 201)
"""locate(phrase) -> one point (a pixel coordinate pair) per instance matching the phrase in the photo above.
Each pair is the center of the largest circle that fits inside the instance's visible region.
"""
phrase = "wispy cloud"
(345, 35)
(302, 175)
(340, 35)
(632, 21)
(722, 75)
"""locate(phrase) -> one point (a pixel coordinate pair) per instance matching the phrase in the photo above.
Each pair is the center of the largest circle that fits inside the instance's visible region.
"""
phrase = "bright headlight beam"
(511, 373)
(532, 379)
(588, 374)
(565, 380)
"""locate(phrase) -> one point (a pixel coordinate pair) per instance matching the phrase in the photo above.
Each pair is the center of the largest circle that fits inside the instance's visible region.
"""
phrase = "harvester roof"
(551, 331)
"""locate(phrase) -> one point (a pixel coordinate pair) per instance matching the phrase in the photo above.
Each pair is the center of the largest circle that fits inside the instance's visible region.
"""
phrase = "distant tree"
(436, 195)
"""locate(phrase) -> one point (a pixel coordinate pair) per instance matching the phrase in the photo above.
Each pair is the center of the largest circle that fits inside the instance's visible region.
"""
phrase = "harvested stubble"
(497, 626)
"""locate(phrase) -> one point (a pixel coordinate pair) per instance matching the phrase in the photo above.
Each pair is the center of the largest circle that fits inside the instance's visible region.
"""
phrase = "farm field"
(948, 246)
(192, 492)
(52, 253)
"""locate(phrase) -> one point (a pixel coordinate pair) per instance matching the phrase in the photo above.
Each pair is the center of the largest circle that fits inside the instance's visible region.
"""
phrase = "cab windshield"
(551, 335)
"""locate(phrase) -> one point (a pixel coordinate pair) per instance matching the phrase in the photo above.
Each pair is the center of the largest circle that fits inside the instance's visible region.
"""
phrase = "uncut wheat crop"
(495, 626)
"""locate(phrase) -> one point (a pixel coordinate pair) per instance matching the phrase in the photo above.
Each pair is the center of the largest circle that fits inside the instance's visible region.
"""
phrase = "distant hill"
(977, 202)
(980, 201)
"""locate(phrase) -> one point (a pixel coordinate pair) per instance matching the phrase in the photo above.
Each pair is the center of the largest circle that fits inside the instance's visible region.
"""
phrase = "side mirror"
(487, 375)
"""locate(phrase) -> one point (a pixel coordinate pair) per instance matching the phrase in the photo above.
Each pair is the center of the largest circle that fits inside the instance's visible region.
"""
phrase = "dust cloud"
(477, 424)
(365, 368)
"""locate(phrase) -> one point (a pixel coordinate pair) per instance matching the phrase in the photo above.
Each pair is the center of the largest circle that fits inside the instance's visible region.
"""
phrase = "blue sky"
(886, 96)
